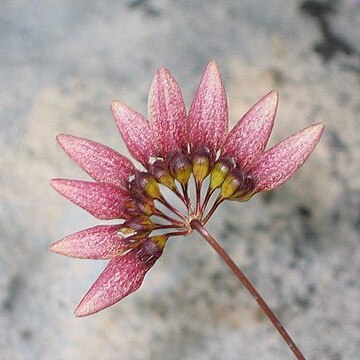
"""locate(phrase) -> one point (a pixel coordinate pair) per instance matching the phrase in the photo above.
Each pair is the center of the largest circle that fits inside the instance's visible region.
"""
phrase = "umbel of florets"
(176, 148)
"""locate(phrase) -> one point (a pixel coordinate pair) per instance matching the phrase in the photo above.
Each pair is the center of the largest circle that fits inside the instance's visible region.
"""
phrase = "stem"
(179, 195)
(198, 196)
(170, 226)
(186, 197)
(170, 207)
(168, 218)
(178, 233)
(206, 200)
(196, 225)
(218, 201)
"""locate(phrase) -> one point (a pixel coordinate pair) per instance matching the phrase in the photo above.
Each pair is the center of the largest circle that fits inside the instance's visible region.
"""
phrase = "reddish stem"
(170, 226)
(218, 201)
(168, 218)
(179, 195)
(196, 225)
(170, 207)
(198, 196)
(178, 233)
(206, 200)
(187, 198)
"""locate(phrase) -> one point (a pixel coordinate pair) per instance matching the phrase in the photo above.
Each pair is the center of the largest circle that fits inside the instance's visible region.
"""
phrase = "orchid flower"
(175, 148)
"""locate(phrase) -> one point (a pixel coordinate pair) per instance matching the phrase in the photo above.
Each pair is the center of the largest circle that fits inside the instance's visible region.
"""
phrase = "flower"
(174, 148)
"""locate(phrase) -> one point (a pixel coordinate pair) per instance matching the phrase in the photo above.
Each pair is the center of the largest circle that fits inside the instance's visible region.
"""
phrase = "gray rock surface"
(63, 61)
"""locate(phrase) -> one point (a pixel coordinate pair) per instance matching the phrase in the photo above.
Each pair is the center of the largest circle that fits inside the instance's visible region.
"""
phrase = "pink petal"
(248, 139)
(167, 113)
(208, 117)
(104, 201)
(282, 160)
(99, 161)
(122, 276)
(98, 242)
(135, 130)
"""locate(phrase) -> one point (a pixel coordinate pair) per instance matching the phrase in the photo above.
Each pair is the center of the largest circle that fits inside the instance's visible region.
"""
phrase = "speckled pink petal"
(248, 139)
(104, 201)
(135, 130)
(282, 160)
(167, 113)
(122, 276)
(208, 116)
(98, 242)
(99, 161)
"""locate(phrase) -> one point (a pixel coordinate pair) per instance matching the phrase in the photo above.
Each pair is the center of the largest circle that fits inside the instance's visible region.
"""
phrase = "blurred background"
(61, 64)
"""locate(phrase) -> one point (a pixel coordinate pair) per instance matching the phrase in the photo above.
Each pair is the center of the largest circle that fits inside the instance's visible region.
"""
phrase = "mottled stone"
(63, 62)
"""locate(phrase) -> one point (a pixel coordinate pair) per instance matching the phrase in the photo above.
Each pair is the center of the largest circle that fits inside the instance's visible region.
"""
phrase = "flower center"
(176, 190)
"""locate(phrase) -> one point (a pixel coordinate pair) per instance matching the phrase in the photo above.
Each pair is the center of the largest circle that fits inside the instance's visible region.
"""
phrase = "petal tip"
(274, 95)
(112, 105)
(313, 133)
(53, 247)
(57, 183)
(61, 137)
(161, 78)
(116, 105)
(82, 311)
(57, 248)
(162, 71)
(270, 101)
(320, 127)
(54, 183)
(212, 70)
(65, 141)
(86, 307)
(212, 64)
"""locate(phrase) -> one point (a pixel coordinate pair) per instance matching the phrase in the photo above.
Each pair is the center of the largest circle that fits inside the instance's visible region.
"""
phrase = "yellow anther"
(183, 174)
(138, 224)
(144, 182)
(152, 188)
(130, 206)
(200, 167)
(160, 240)
(237, 186)
(167, 180)
(127, 230)
(181, 168)
(243, 197)
(162, 174)
(147, 207)
(144, 223)
(219, 173)
(229, 186)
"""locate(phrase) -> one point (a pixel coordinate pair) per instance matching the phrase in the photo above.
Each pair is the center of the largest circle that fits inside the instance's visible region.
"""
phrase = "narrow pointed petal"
(104, 201)
(122, 276)
(208, 116)
(248, 139)
(167, 113)
(282, 160)
(98, 242)
(135, 130)
(99, 161)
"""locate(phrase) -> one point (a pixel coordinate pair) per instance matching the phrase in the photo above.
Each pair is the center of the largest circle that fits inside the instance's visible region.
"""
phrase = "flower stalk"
(196, 225)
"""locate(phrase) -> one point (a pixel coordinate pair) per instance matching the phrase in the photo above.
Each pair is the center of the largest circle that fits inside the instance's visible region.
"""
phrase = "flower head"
(175, 148)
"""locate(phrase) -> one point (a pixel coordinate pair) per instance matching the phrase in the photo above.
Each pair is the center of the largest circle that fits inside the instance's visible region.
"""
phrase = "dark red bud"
(145, 184)
(144, 205)
(141, 223)
(149, 251)
(162, 174)
(238, 185)
(181, 167)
